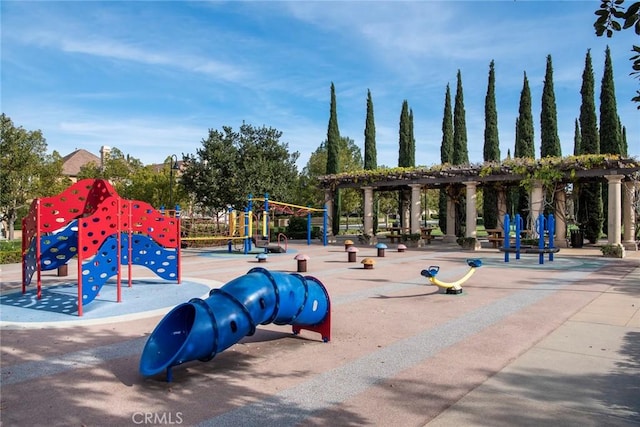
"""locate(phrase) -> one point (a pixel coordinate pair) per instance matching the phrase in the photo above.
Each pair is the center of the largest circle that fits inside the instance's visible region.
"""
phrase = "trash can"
(576, 238)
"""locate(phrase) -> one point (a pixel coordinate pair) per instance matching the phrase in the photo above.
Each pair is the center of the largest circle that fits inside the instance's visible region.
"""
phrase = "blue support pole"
(507, 239)
(551, 224)
(540, 229)
(518, 220)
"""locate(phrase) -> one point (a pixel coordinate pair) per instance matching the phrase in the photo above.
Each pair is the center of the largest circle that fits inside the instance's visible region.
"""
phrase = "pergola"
(622, 176)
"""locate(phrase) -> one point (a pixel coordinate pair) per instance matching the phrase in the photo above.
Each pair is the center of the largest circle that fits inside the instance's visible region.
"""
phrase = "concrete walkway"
(524, 344)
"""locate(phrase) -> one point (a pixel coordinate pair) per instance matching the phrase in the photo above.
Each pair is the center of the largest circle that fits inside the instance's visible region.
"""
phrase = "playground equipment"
(200, 329)
(289, 209)
(89, 220)
(251, 228)
(453, 287)
(543, 226)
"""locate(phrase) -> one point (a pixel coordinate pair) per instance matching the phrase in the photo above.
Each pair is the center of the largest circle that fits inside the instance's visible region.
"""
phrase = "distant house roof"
(71, 163)
(159, 167)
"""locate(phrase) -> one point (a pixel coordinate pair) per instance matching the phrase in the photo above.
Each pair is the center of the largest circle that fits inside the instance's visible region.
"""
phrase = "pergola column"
(628, 216)
(614, 211)
(450, 235)
(502, 206)
(561, 218)
(368, 211)
(537, 201)
(415, 207)
(328, 202)
(471, 211)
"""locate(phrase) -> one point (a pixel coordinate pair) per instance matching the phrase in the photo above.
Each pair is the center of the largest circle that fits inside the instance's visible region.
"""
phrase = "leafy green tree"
(491, 151)
(231, 165)
(266, 164)
(446, 155)
(26, 171)
(550, 141)
(590, 210)
(333, 156)
(609, 14)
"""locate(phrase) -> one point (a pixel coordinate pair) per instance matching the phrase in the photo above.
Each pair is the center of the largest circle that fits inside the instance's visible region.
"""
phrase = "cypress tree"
(589, 212)
(590, 142)
(460, 152)
(624, 145)
(524, 142)
(491, 151)
(412, 140)
(610, 140)
(446, 147)
(577, 140)
(550, 141)
(370, 155)
(446, 155)
(333, 157)
(404, 154)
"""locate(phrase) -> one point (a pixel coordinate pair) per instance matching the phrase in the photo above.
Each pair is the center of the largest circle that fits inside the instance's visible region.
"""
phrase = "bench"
(495, 241)
(393, 237)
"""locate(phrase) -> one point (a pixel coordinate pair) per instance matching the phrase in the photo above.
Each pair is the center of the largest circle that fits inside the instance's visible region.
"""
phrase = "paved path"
(524, 344)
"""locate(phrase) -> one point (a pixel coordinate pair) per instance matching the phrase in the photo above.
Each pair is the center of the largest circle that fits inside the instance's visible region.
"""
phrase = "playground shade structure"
(89, 220)
(200, 329)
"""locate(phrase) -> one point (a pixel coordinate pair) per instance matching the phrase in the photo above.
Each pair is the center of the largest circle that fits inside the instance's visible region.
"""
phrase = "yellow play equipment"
(453, 287)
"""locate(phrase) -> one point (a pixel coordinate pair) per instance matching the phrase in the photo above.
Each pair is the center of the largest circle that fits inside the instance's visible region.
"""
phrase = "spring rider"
(452, 287)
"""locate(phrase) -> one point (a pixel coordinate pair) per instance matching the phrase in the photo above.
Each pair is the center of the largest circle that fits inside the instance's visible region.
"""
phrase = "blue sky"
(151, 77)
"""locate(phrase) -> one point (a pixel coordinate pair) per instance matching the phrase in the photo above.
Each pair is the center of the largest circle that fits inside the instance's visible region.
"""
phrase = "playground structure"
(452, 287)
(253, 226)
(544, 226)
(89, 220)
(200, 329)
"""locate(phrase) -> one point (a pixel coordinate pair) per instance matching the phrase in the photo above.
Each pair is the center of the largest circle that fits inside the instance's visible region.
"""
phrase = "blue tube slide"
(200, 329)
